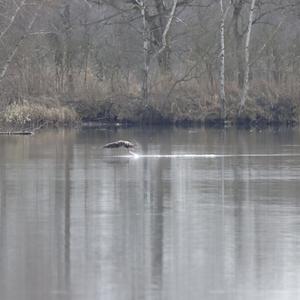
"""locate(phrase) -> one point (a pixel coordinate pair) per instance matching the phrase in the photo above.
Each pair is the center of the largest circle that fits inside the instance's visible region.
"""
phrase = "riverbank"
(35, 114)
(180, 109)
(157, 111)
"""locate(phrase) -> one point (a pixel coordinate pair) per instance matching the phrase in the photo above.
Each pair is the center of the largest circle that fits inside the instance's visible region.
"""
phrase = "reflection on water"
(77, 222)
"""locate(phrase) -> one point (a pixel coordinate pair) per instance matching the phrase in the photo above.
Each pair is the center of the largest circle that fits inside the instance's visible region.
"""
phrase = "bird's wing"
(119, 144)
(113, 145)
(127, 144)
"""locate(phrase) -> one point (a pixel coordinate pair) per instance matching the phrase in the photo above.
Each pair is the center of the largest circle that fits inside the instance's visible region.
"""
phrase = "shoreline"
(133, 112)
(30, 130)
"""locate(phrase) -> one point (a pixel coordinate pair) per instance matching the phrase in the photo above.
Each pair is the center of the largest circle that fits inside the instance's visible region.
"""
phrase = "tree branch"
(167, 28)
(12, 19)
(22, 38)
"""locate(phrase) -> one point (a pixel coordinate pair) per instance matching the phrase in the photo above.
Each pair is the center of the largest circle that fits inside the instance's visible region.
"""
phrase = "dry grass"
(28, 114)
(170, 101)
(190, 103)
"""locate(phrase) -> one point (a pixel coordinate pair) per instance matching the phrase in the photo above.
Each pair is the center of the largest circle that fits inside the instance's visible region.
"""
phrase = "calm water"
(181, 221)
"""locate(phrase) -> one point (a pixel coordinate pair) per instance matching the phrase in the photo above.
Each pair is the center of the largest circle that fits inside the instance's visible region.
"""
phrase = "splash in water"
(136, 155)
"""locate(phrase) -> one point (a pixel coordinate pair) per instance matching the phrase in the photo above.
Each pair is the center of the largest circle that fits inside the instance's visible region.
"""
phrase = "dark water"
(77, 222)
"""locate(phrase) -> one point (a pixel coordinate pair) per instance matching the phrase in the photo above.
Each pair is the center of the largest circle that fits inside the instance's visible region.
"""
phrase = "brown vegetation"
(34, 115)
(189, 104)
(186, 104)
(147, 62)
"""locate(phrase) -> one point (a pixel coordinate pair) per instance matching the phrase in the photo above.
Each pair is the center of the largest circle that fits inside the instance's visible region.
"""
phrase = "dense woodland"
(149, 61)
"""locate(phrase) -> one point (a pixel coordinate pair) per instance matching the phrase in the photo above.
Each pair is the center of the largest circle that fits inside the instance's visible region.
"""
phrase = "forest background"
(149, 61)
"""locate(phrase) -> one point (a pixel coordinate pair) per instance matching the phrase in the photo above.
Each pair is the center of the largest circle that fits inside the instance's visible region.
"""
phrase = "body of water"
(196, 214)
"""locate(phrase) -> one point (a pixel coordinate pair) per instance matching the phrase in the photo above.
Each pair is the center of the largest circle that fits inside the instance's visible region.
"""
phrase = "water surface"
(198, 214)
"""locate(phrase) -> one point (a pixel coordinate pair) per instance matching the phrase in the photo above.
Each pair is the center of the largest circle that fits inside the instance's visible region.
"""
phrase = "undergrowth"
(26, 114)
(167, 104)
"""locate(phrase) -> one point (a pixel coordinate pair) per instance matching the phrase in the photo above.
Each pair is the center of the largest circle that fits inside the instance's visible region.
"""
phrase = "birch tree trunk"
(238, 39)
(222, 63)
(164, 52)
(247, 64)
(145, 87)
(86, 40)
(69, 51)
(157, 29)
(167, 27)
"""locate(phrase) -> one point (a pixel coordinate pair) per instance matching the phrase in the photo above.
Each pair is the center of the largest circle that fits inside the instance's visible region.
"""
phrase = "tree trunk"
(238, 37)
(158, 29)
(222, 63)
(164, 52)
(247, 64)
(68, 49)
(145, 87)
(58, 60)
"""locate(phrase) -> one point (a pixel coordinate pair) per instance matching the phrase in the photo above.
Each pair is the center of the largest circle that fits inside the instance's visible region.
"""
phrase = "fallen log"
(16, 132)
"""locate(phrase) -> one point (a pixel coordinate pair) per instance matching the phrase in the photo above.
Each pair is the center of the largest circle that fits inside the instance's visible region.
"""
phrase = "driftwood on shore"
(19, 131)
(16, 132)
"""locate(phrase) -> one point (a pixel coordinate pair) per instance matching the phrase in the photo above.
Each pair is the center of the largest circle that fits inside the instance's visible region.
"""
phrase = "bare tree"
(12, 19)
(146, 37)
(66, 18)
(15, 48)
(222, 62)
(141, 48)
(247, 64)
(238, 38)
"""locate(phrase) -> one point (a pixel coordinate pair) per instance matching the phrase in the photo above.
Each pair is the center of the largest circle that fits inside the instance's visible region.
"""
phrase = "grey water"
(196, 214)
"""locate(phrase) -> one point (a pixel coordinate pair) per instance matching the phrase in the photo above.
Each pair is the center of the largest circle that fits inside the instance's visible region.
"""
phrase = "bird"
(119, 144)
